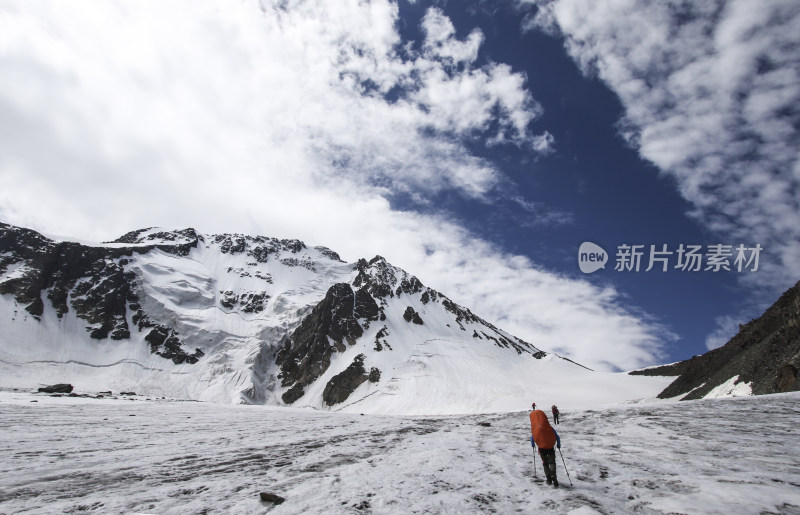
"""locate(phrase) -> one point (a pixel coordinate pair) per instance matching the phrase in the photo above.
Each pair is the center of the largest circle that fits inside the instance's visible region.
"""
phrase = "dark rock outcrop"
(377, 276)
(271, 498)
(411, 315)
(344, 383)
(374, 375)
(249, 302)
(92, 281)
(765, 352)
(332, 324)
(57, 388)
(293, 393)
(366, 307)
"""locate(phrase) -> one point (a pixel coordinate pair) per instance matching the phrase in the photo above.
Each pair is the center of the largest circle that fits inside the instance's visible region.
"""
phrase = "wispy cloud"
(293, 119)
(726, 328)
(541, 214)
(711, 93)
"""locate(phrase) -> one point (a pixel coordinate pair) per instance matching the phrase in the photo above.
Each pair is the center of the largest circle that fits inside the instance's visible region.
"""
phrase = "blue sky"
(476, 144)
(597, 188)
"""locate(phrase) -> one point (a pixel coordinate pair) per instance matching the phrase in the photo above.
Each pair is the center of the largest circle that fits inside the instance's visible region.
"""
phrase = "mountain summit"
(243, 319)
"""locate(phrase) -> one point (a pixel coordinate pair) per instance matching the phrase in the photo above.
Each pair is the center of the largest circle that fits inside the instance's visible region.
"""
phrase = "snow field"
(67, 455)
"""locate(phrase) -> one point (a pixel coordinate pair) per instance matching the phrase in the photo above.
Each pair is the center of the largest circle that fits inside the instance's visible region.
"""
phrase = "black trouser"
(549, 461)
(555, 418)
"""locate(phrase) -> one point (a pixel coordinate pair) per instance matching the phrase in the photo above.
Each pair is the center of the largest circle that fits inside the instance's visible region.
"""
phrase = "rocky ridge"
(765, 353)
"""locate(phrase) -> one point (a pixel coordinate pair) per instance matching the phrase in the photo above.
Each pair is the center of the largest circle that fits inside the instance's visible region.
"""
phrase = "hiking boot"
(555, 483)
(549, 481)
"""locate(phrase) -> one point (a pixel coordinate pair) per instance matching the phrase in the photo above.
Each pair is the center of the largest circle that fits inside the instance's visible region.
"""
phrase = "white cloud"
(726, 328)
(295, 119)
(440, 39)
(710, 92)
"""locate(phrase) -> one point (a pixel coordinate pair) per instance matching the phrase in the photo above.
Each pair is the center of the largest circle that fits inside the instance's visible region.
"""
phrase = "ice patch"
(730, 389)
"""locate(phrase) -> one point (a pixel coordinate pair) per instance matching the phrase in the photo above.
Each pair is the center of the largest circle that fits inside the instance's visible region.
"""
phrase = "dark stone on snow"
(374, 375)
(412, 316)
(254, 302)
(293, 393)
(409, 286)
(57, 388)
(228, 299)
(462, 314)
(270, 497)
(293, 246)
(127, 393)
(485, 424)
(382, 334)
(344, 383)
(165, 343)
(363, 505)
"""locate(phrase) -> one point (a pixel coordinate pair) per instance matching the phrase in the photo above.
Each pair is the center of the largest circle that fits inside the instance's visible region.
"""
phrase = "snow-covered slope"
(65, 455)
(234, 318)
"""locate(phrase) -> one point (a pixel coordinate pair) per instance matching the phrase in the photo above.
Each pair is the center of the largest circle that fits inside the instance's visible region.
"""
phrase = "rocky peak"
(157, 236)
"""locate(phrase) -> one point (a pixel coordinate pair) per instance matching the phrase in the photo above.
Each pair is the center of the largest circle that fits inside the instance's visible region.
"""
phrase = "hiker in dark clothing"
(555, 414)
(543, 435)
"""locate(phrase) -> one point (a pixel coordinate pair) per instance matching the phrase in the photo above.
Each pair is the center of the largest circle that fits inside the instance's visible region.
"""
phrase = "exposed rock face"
(307, 353)
(766, 353)
(247, 302)
(343, 316)
(93, 281)
(344, 383)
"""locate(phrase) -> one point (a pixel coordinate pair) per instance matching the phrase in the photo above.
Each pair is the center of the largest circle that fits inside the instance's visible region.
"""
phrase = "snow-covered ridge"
(237, 318)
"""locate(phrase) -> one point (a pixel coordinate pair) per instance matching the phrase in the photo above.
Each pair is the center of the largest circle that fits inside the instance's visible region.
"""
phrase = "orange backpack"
(542, 431)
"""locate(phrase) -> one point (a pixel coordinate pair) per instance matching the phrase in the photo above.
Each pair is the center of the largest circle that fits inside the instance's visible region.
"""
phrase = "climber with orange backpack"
(543, 435)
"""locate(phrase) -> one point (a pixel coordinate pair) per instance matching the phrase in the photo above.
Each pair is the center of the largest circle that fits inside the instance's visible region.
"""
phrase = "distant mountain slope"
(235, 318)
(765, 355)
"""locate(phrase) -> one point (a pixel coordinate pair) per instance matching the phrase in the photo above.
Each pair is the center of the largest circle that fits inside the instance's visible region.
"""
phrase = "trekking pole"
(565, 466)
(534, 462)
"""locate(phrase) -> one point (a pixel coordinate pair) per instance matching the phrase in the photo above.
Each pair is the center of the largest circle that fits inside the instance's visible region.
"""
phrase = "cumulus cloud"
(710, 92)
(293, 119)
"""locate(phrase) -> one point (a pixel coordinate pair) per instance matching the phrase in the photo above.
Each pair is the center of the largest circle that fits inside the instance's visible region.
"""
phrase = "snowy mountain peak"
(237, 318)
(158, 236)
